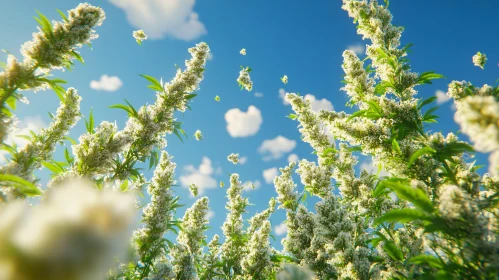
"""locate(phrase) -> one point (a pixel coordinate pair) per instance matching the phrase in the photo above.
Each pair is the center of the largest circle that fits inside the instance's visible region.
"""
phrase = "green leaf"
(292, 116)
(417, 154)
(20, 184)
(392, 250)
(11, 101)
(90, 123)
(71, 140)
(426, 102)
(55, 168)
(62, 15)
(189, 96)
(78, 56)
(402, 216)
(396, 147)
(406, 192)
(123, 107)
(45, 24)
(426, 77)
(156, 85)
(430, 260)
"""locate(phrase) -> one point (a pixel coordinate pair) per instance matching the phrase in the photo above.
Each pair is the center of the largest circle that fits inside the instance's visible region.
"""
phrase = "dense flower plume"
(428, 215)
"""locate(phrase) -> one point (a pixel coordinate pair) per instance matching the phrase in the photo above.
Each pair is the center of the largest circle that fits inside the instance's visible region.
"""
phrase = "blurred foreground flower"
(74, 233)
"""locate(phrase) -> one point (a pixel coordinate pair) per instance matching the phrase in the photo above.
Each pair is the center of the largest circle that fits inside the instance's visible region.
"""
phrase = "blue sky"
(301, 39)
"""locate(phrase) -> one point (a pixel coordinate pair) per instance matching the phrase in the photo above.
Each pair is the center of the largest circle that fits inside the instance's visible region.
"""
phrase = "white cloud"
(163, 18)
(243, 160)
(210, 214)
(280, 229)
(107, 83)
(293, 158)
(258, 94)
(251, 185)
(243, 124)
(282, 94)
(316, 104)
(442, 97)
(31, 123)
(369, 166)
(277, 147)
(200, 176)
(319, 104)
(358, 49)
(270, 174)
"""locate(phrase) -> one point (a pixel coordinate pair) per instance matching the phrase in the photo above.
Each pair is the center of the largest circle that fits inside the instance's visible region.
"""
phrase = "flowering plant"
(432, 217)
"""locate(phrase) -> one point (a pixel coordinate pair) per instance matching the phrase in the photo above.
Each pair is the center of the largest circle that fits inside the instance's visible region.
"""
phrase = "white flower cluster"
(359, 86)
(52, 49)
(244, 79)
(256, 263)
(317, 179)
(232, 250)
(158, 213)
(96, 152)
(76, 231)
(479, 59)
(198, 135)
(234, 158)
(43, 145)
(190, 240)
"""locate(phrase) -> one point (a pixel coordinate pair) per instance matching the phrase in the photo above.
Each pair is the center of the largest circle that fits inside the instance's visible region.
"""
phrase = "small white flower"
(198, 135)
(243, 52)
(139, 36)
(234, 158)
(284, 79)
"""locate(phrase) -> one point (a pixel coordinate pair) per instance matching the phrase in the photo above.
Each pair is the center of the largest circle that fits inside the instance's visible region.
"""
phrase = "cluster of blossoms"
(139, 36)
(53, 47)
(198, 135)
(42, 146)
(157, 214)
(244, 79)
(479, 59)
(234, 158)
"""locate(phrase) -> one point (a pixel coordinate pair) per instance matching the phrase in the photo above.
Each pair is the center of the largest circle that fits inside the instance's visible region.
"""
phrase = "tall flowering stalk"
(52, 47)
(186, 254)
(107, 153)
(158, 214)
(42, 146)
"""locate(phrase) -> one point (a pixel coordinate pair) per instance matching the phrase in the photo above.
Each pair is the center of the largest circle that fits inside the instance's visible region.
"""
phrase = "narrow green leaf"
(430, 260)
(406, 192)
(419, 153)
(402, 216)
(392, 250)
(20, 184)
(63, 16)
